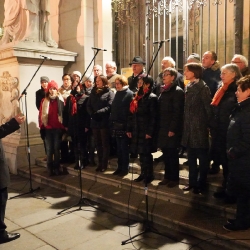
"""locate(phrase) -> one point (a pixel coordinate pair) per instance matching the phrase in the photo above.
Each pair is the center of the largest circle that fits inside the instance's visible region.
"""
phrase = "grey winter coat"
(197, 115)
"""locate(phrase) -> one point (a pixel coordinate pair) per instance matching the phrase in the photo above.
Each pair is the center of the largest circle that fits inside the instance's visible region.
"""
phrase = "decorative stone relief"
(9, 94)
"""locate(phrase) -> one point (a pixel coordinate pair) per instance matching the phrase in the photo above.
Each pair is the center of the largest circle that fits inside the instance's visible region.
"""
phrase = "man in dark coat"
(137, 65)
(211, 71)
(5, 130)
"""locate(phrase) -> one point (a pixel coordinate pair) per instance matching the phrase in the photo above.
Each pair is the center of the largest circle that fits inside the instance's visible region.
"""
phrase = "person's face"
(76, 78)
(239, 63)
(165, 64)
(118, 85)
(88, 84)
(67, 81)
(110, 70)
(241, 96)
(227, 76)
(146, 85)
(167, 78)
(139, 83)
(207, 60)
(189, 74)
(53, 92)
(99, 83)
(137, 68)
(44, 84)
(97, 71)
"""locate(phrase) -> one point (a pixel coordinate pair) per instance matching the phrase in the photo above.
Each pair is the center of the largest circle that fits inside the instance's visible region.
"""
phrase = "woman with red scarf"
(142, 127)
(76, 121)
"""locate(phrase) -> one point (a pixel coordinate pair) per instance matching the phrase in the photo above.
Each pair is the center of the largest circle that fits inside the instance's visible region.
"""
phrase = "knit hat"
(52, 84)
(44, 78)
(194, 57)
(89, 77)
(77, 73)
(137, 60)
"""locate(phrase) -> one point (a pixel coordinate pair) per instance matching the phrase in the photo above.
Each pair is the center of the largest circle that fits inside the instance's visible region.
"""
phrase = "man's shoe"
(214, 171)
(187, 188)
(9, 237)
(234, 227)
(185, 163)
(117, 171)
(140, 178)
(196, 190)
(159, 159)
(150, 178)
(172, 184)
(123, 173)
(231, 221)
(220, 194)
(164, 182)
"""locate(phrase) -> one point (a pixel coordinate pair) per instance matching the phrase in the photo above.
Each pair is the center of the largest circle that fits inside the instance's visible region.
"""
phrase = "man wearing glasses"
(242, 62)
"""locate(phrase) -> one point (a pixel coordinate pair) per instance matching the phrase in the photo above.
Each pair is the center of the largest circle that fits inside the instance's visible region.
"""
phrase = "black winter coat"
(132, 82)
(40, 94)
(6, 129)
(197, 115)
(76, 123)
(170, 117)
(98, 106)
(144, 122)
(220, 117)
(238, 146)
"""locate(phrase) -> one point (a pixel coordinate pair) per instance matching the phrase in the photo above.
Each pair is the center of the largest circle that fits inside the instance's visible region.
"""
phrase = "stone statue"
(27, 20)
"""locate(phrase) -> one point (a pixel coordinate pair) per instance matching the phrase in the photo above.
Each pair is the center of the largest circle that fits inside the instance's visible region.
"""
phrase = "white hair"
(169, 59)
(111, 63)
(242, 58)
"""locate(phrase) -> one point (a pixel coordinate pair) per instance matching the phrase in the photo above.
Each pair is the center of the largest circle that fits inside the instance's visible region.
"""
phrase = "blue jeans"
(203, 156)
(53, 144)
(123, 152)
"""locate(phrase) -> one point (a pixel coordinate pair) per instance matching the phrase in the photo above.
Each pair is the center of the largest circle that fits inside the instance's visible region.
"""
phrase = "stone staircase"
(201, 215)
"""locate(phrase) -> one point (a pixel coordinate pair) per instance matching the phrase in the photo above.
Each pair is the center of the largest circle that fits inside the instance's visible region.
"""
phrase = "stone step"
(164, 204)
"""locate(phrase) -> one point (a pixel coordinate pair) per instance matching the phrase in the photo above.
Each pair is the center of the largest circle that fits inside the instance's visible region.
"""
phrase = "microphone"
(99, 49)
(162, 41)
(46, 57)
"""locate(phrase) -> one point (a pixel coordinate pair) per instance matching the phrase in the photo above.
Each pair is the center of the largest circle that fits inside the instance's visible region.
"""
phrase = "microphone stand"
(147, 224)
(97, 51)
(24, 93)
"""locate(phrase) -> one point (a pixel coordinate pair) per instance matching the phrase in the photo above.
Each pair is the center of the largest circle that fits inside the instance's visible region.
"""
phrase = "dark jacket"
(76, 123)
(170, 117)
(220, 117)
(132, 82)
(120, 107)
(211, 76)
(40, 94)
(6, 129)
(98, 107)
(197, 115)
(238, 146)
(144, 122)
(159, 82)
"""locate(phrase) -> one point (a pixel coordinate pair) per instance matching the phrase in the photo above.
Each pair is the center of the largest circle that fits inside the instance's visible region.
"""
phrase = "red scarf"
(219, 94)
(134, 103)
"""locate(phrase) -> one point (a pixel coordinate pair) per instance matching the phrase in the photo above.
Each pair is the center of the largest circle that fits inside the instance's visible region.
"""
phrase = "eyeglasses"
(167, 75)
(235, 62)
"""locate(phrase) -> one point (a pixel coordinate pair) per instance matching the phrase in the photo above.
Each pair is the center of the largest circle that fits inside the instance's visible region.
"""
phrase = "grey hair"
(234, 69)
(170, 59)
(112, 64)
(242, 58)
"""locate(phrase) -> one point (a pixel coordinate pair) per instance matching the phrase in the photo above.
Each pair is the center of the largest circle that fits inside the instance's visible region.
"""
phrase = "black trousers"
(3, 202)
(171, 162)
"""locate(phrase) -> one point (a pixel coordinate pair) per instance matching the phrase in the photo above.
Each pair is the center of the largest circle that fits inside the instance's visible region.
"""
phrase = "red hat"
(52, 84)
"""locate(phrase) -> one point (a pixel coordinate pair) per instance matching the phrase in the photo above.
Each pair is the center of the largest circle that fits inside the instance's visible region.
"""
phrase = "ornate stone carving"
(9, 93)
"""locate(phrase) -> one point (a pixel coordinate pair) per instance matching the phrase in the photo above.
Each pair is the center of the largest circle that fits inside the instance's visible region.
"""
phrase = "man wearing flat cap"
(137, 65)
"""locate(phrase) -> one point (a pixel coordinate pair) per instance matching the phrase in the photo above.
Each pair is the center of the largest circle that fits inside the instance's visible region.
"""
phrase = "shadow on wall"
(69, 16)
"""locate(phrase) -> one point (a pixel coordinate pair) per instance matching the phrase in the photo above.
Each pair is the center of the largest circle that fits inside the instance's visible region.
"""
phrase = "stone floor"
(40, 226)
